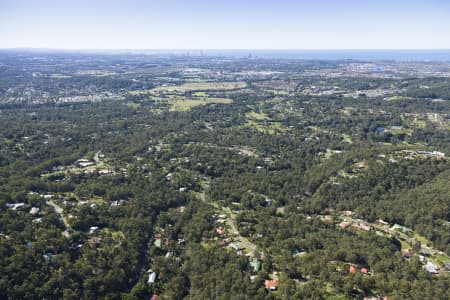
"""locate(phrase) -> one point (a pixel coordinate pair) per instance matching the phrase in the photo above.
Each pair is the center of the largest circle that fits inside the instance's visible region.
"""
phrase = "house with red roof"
(271, 285)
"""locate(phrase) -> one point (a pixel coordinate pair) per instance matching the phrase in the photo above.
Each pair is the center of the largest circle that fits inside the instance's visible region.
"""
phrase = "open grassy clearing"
(269, 127)
(132, 105)
(104, 73)
(260, 121)
(442, 259)
(406, 131)
(278, 92)
(404, 245)
(347, 138)
(200, 94)
(421, 239)
(418, 123)
(202, 86)
(256, 116)
(396, 98)
(184, 104)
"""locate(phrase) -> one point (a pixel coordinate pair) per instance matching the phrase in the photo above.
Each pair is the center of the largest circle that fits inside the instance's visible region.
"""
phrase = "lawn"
(421, 239)
(347, 138)
(441, 258)
(405, 245)
(401, 131)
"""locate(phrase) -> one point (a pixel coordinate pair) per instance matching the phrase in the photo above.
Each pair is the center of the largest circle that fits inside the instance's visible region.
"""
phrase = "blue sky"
(230, 24)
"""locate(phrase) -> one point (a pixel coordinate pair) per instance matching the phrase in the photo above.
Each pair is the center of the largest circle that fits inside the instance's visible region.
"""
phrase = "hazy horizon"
(221, 25)
(413, 55)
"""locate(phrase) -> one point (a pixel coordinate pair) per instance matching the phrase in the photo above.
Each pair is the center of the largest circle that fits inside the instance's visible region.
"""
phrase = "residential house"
(235, 246)
(271, 285)
(95, 240)
(447, 266)
(220, 230)
(157, 243)
(431, 268)
(14, 206)
(344, 224)
(34, 210)
(326, 218)
(361, 226)
(152, 277)
(407, 254)
(384, 223)
(401, 228)
(93, 229)
(255, 264)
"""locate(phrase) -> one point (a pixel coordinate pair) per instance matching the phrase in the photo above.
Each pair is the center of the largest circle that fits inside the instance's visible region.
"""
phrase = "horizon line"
(225, 49)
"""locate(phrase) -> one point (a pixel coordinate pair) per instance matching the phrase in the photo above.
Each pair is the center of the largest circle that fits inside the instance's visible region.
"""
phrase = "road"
(60, 211)
(241, 241)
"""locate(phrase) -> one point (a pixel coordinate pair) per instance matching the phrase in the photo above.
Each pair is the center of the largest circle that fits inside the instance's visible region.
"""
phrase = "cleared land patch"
(184, 104)
(263, 123)
(202, 86)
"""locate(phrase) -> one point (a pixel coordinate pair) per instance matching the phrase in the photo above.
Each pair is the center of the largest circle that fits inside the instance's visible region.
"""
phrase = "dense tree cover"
(278, 167)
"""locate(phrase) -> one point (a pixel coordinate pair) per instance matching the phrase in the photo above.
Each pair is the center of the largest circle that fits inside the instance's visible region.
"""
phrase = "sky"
(227, 24)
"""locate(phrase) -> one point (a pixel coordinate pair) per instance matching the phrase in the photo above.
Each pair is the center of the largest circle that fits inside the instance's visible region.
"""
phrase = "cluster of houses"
(220, 220)
(354, 223)
(15, 206)
(161, 242)
(87, 98)
(358, 224)
(429, 266)
(353, 269)
(411, 154)
(91, 167)
(254, 262)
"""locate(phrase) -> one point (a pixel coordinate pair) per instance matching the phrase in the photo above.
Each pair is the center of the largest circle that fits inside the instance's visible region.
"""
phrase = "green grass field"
(184, 104)
(256, 116)
(442, 258)
(347, 138)
(202, 86)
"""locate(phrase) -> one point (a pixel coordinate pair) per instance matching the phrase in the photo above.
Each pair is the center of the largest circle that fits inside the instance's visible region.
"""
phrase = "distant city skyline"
(231, 24)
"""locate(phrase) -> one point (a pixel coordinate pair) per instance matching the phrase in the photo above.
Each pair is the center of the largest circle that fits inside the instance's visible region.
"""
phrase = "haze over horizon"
(200, 24)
